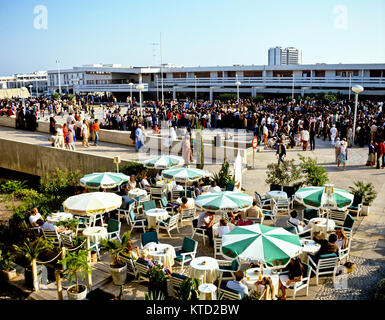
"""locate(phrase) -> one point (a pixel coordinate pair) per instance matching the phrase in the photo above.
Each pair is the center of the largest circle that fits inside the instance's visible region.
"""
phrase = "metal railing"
(276, 81)
(108, 87)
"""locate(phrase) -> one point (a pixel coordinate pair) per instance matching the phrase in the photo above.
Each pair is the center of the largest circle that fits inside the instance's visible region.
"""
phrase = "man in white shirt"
(34, 217)
(60, 142)
(206, 221)
(214, 187)
(333, 134)
(84, 133)
(305, 139)
(237, 284)
(145, 184)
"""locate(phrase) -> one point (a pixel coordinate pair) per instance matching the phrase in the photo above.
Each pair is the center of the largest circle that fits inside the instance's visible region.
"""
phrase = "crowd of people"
(271, 120)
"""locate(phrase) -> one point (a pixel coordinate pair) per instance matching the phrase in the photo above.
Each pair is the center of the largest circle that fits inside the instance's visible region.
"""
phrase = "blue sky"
(199, 32)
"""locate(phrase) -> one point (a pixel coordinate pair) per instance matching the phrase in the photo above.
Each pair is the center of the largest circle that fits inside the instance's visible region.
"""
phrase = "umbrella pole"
(185, 189)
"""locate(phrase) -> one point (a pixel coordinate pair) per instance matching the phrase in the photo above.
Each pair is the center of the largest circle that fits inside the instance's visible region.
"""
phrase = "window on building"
(231, 74)
(319, 73)
(179, 75)
(252, 73)
(377, 73)
(202, 74)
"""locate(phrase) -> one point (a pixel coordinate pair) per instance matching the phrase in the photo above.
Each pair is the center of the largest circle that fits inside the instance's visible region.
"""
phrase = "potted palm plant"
(6, 260)
(367, 192)
(31, 250)
(118, 269)
(188, 290)
(76, 268)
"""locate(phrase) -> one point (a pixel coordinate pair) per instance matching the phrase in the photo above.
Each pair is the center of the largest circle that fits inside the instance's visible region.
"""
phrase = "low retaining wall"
(40, 160)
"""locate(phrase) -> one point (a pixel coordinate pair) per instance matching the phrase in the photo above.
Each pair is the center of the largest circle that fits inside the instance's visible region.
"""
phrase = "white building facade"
(206, 82)
(284, 56)
(35, 82)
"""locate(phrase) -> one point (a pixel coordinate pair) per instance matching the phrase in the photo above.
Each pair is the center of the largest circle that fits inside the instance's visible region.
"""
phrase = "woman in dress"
(342, 154)
(371, 158)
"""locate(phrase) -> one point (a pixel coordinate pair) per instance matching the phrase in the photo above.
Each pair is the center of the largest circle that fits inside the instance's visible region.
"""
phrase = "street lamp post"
(237, 84)
(357, 89)
(130, 84)
(140, 87)
(30, 89)
(196, 94)
(58, 71)
(157, 88)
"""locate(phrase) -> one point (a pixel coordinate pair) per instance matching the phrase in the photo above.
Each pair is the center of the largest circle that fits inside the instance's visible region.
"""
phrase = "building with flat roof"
(207, 82)
(37, 79)
(284, 56)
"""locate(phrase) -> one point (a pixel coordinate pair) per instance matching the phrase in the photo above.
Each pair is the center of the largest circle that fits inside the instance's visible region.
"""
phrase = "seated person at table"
(49, 226)
(342, 240)
(254, 211)
(206, 221)
(145, 259)
(197, 189)
(301, 226)
(184, 204)
(265, 284)
(131, 185)
(327, 246)
(35, 218)
(159, 176)
(237, 284)
(234, 216)
(129, 251)
(145, 184)
(295, 270)
(222, 229)
(214, 187)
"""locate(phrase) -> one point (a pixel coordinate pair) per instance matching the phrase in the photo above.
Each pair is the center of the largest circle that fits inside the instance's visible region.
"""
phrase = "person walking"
(380, 154)
(305, 136)
(84, 133)
(312, 137)
(333, 134)
(60, 134)
(139, 138)
(341, 159)
(281, 152)
(96, 129)
(186, 150)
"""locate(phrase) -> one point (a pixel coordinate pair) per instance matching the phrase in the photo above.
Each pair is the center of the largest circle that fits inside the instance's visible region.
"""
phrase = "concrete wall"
(40, 160)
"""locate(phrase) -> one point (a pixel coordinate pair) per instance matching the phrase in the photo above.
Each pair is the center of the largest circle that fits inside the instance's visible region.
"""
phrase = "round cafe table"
(252, 275)
(319, 224)
(162, 252)
(95, 233)
(155, 215)
(59, 216)
(207, 291)
(277, 195)
(308, 247)
(216, 226)
(137, 193)
(207, 272)
(167, 185)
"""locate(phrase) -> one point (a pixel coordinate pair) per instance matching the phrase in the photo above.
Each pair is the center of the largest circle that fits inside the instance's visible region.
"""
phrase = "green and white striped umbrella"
(92, 203)
(316, 197)
(224, 201)
(262, 244)
(163, 162)
(185, 174)
(103, 180)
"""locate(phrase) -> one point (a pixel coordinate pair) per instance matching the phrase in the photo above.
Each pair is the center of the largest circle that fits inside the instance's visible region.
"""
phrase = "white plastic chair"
(169, 224)
(325, 265)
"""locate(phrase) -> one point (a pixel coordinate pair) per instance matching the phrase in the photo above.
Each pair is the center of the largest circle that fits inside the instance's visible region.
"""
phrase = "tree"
(56, 96)
(286, 174)
(365, 190)
(314, 174)
(223, 177)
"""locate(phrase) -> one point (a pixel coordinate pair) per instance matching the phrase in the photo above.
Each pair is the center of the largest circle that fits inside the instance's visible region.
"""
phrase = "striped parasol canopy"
(92, 203)
(164, 162)
(224, 201)
(317, 197)
(261, 244)
(103, 180)
(185, 174)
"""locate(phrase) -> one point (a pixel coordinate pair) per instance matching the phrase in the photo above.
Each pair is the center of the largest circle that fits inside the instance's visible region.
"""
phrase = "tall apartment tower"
(284, 56)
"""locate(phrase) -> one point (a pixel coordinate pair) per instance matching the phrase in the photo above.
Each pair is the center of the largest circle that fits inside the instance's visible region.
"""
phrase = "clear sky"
(194, 32)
